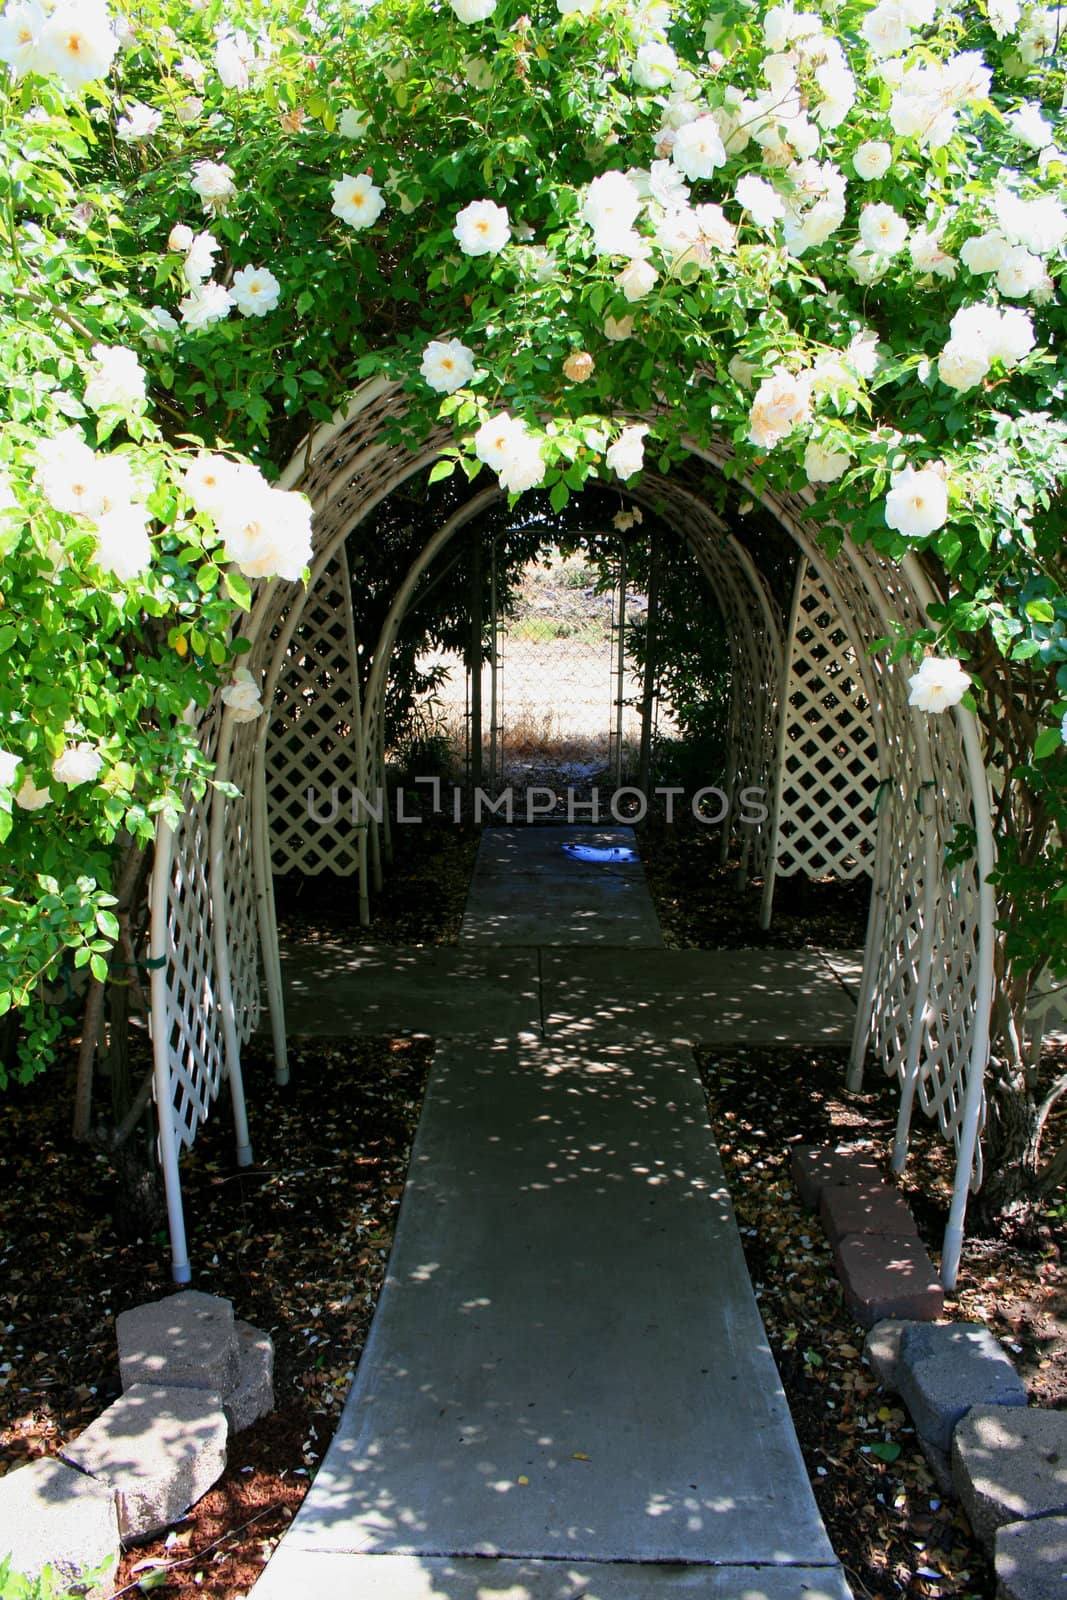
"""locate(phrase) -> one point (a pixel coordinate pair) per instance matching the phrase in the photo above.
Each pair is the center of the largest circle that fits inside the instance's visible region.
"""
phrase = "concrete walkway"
(567, 1389)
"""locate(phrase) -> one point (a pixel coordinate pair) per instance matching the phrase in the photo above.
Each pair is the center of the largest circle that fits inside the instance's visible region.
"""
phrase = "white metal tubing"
(985, 851)
(220, 935)
(910, 1077)
(360, 747)
(265, 909)
(181, 1271)
(774, 820)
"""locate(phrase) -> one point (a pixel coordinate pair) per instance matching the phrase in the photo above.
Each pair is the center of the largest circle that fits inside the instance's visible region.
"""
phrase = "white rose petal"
(77, 42)
(255, 291)
(872, 160)
(78, 763)
(824, 464)
(21, 26)
(204, 304)
(213, 182)
(123, 547)
(782, 402)
(762, 202)
(140, 122)
(357, 200)
(698, 148)
(883, 231)
(9, 765)
(917, 502)
(470, 11)
(30, 798)
(482, 228)
(243, 697)
(939, 684)
(654, 66)
(962, 366)
(636, 279)
(447, 365)
(116, 378)
(626, 456)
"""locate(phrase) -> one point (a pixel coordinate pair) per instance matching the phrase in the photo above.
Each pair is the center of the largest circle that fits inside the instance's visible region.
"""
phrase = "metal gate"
(557, 702)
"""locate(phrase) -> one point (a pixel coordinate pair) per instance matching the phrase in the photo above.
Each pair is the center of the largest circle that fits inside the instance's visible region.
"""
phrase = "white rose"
(618, 329)
(9, 765)
(123, 547)
(883, 231)
(30, 798)
(116, 378)
(939, 683)
(962, 366)
(447, 364)
(887, 29)
(218, 486)
(984, 252)
(470, 11)
(204, 304)
(610, 206)
(492, 442)
(235, 59)
(78, 763)
(243, 697)
(823, 464)
(1039, 225)
(1020, 273)
(357, 200)
(762, 202)
(352, 124)
(255, 291)
(917, 502)
(20, 33)
(523, 467)
(199, 261)
(140, 122)
(1030, 127)
(180, 238)
(742, 372)
(627, 455)
(928, 255)
(654, 66)
(268, 533)
(482, 228)
(77, 42)
(698, 149)
(213, 182)
(782, 402)
(872, 160)
(190, 110)
(1013, 338)
(636, 279)
(1004, 16)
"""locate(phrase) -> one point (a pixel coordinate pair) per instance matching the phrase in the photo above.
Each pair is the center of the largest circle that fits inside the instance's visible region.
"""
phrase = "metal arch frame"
(342, 476)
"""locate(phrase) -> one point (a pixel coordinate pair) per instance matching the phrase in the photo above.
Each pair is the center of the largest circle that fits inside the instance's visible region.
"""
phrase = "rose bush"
(831, 235)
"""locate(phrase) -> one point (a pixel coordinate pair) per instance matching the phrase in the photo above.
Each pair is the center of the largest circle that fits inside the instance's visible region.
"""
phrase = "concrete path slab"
(332, 988)
(695, 996)
(847, 967)
(527, 890)
(567, 1361)
(300, 1575)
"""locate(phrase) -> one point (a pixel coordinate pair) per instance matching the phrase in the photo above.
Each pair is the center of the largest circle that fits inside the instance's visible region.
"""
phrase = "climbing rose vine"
(588, 234)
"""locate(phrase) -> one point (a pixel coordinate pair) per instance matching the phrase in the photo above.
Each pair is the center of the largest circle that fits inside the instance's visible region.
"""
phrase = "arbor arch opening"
(815, 718)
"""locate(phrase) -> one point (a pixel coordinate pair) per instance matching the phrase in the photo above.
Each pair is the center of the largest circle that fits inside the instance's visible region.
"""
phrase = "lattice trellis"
(186, 1026)
(829, 779)
(313, 741)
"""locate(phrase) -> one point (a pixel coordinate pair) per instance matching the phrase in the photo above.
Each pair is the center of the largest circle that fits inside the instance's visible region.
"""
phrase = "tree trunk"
(1012, 1190)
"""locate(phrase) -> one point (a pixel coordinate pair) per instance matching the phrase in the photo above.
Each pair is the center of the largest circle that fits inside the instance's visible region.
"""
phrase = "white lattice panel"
(830, 768)
(312, 742)
(240, 883)
(191, 1024)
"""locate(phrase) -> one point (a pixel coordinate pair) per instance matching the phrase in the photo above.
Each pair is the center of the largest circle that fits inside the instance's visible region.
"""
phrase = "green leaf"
(1048, 741)
(98, 967)
(442, 469)
(885, 1450)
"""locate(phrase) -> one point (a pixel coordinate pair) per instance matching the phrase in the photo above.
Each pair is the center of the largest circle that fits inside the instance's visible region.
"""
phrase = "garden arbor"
(857, 782)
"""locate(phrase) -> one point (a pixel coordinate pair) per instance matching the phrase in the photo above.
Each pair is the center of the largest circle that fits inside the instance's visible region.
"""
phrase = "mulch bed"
(891, 1527)
(299, 1243)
